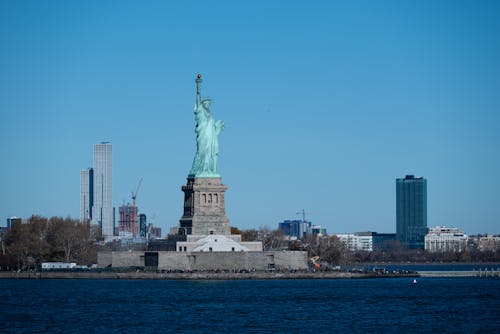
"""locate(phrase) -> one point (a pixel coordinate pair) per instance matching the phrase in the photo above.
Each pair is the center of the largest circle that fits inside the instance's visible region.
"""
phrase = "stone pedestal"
(204, 207)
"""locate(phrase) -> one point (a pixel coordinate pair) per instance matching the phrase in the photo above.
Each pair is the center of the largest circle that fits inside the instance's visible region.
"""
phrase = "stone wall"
(173, 261)
(290, 259)
(104, 259)
(253, 246)
(210, 261)
(128, 259)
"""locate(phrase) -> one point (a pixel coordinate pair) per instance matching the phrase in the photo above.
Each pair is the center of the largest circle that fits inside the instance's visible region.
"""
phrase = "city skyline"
(324, 105)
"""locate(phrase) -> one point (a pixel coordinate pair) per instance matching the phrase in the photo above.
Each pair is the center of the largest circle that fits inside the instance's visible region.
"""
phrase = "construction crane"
(303, 213)
(135, 226)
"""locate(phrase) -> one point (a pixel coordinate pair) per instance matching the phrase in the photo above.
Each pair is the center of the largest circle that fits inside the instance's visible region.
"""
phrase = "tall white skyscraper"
(102, 211)
(86, 194)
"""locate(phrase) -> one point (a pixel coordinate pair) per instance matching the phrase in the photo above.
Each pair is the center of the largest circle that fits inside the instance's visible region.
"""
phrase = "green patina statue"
(207, 130)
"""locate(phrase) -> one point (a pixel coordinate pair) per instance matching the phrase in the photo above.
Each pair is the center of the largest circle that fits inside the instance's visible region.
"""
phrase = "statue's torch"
(198, 83)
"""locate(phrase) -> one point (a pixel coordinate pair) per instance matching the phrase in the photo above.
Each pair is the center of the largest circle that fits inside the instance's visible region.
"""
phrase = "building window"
(209, 198)
(210, 249)
(180, 249)
(185, 248)
(211, 232)
(204, 198)
(216, 198)
(232, 249)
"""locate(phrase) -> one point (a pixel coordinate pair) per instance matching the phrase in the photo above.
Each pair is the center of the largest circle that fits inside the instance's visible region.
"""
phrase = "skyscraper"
(86, 194)
(411, 211)
(102, 210)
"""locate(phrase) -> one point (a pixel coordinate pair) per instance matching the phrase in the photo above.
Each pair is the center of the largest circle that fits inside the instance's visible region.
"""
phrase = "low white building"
(489, 243)
(359, 241)
(445, 239)
(217, 243)
(59, 265)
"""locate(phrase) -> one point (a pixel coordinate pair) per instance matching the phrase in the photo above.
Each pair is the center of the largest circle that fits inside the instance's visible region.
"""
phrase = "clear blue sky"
(325, 105)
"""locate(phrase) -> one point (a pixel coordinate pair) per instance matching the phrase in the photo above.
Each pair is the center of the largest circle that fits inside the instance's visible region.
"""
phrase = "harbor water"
(389, 305)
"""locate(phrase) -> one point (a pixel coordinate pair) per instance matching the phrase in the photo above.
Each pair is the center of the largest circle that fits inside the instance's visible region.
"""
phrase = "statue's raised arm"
(198, 89)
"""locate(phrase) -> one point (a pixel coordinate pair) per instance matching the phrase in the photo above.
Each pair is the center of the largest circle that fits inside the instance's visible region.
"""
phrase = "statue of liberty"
(207, 130)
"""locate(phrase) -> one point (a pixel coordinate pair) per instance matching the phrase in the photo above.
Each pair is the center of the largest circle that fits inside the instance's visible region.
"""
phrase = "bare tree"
(249, 235)
(271, 239)
(68, 237)
(27, 242)
(329, 249)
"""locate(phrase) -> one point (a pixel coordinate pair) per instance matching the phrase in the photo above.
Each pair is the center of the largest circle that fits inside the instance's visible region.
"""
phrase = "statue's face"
(206, 104)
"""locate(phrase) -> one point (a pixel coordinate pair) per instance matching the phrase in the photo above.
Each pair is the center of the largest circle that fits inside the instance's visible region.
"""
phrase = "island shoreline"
(142, 275)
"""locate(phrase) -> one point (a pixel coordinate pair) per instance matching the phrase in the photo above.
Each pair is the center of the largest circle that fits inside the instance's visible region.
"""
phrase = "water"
(450, 305)
(433, 267)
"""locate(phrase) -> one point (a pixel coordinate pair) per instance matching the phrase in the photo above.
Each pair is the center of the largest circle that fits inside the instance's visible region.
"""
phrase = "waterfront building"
(489, 243)
(102, 210)
(366, 241)
(411, 211)
(295, 228)
(383, 241)
(441, 239)
(86, 194)
(357, 241)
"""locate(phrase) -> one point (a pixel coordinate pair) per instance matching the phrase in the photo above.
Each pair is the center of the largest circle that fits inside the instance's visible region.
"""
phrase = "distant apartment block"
(295, 228)
(154, 232)
(489, 243)
(127, 214)
(143, 229)
(13, 220)
(86, 194)
(357, 242)
(366, 241)
(411, 211)
(3, 230)
(442, 239)
(383, 241)
(318, 230)
(102, 210)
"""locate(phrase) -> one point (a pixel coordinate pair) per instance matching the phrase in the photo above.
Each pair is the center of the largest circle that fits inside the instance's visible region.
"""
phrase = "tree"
(332, 250)
(69, 238)
(18, 241)
(249, 235)
(38, 229)
(56, 239)
(271, 239)
(235, 230)
(27, 242)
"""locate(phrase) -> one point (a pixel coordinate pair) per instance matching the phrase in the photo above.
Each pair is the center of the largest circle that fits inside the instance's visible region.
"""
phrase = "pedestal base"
(204, 207)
